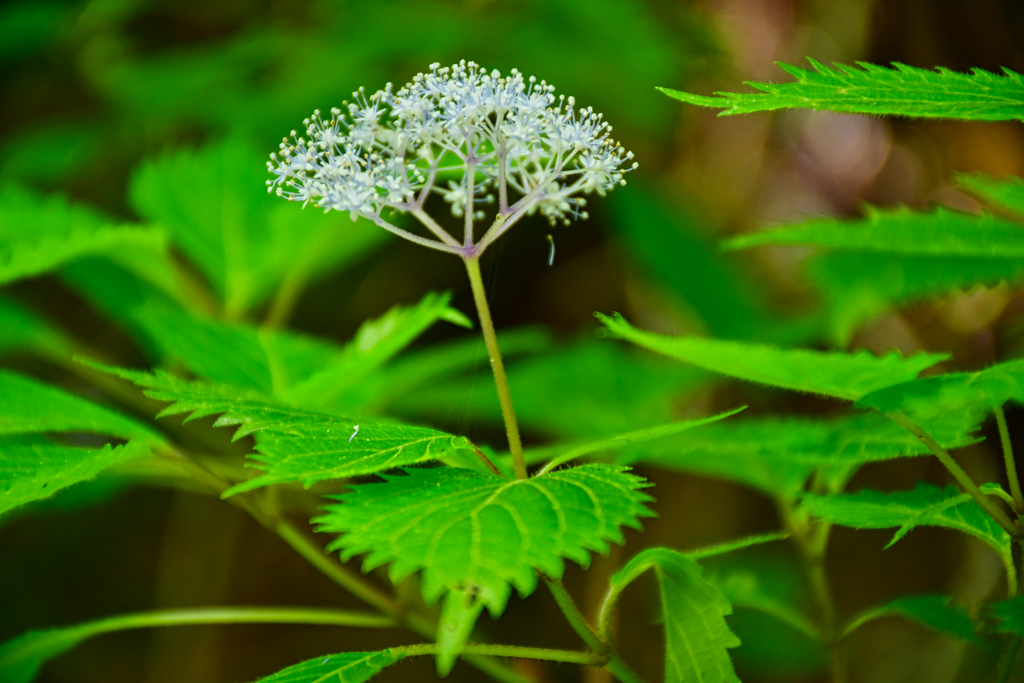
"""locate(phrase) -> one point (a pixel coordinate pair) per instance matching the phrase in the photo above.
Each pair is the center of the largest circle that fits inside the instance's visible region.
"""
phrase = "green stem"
(333, 570)
(994, 511)
(575, 617)
(1014, 645)
(500, 380)
(621, 670)
(1011, 465)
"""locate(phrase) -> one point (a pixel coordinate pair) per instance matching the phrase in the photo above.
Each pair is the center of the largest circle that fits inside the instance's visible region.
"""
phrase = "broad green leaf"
(30, 406)
(941, 232)
(33, 471)
(873, 89)
(23, 330)
(346, 667)
(937, 612)
(585, 389)
(40, 234)
(697, 638)
(1007, 193)
(459, 612)
(472, 531)
(777, 455)
(1010, 614)
(953, 393)
(215, 206)
(294, 444)
(926, 505)
(841, 375)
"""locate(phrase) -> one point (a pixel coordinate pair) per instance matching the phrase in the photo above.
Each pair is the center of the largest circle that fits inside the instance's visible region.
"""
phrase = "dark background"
(90, 89)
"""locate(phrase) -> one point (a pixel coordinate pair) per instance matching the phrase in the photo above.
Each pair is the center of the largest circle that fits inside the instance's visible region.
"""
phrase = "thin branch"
(450, 246)
(575, 617)
(431, 225)
(1011, 465)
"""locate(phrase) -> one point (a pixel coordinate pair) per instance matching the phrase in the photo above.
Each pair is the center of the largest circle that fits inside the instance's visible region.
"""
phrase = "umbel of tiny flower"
(460, 132)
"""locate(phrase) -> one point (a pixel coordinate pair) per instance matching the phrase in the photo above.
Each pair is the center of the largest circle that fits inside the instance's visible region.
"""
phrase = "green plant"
(457, 524)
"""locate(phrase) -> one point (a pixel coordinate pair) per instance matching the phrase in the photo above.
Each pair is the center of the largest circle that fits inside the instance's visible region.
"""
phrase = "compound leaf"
(952, 393)
(346, 667)
(873, 89)
(477, 532)
(937, 612)
(942, 232)
(926, 505)
(697, 637)
(841, 375)
(777, 455)
(295, 444)
(29, 406)
(40, 234)
(31, 470)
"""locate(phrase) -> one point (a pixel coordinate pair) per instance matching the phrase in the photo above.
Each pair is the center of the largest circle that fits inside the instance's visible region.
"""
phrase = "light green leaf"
(33, 471)
(346, 667)
(215, 206)
(30, 406)
(953, 393)
(459, 612)
(777, 455)
(697, 637)
(1010, 614)
(23, 330)
(926, 505)
(40, 234)
(937, 612)
(842, 375)
(1007, 193)
(472, 531)
(872, 89)
(294, 444)
(941, 232)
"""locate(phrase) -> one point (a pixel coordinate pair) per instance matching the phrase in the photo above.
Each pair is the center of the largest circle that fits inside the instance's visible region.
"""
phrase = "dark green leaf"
(697, 637)
(23, 330)
(1007, 194)
(1010, 614)
(842, 375)
(937, 612)
(478, 532)
(872, 89)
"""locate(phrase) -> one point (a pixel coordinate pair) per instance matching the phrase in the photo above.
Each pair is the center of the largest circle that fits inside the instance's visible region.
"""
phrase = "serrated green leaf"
(777, 455)
(33, 471)
(477, 532)
(841, 375)
(1006, 193)
(23, 330)
(697, 638)
(873, 89)
(459, 612)
(345, 667)
(582, 390)
(214, 203)
(1010, 614)
(40, 234)
(926, 505)
(937, 612)
(952, 393)
(30, 406)
(295, 444)
(941, 232)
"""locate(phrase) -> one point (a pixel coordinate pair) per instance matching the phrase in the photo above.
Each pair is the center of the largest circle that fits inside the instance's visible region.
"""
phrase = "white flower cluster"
(476, 132)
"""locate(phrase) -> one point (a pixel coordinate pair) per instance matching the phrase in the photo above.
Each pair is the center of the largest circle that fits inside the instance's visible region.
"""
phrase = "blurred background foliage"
(156, 112)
